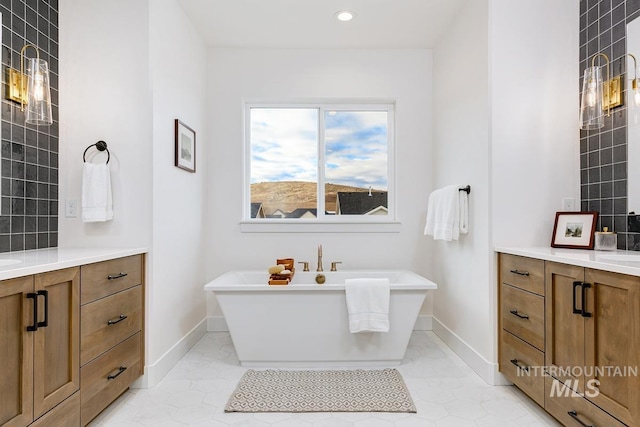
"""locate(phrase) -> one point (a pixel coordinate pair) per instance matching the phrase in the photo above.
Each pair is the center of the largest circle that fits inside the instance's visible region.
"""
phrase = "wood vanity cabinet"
(112, 314)
(589, 369)
(71, 341)
(39, 332)
(593, 323)
(521, 319)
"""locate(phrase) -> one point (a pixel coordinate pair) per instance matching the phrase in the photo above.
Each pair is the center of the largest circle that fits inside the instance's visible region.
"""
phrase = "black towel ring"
(101, 146)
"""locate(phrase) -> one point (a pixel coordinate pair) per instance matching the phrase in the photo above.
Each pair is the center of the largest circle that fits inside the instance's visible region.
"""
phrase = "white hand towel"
(97, 202)
(443, 213)
(368, 304)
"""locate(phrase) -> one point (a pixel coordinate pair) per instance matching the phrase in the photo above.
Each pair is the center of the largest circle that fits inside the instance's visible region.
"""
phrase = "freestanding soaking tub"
(304, 324)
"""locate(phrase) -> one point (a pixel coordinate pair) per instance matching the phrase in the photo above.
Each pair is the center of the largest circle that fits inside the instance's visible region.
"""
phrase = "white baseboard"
(154, 373)
(488, 371)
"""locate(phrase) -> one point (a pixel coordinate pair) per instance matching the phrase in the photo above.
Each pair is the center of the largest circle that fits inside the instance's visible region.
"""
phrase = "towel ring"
(100, 146)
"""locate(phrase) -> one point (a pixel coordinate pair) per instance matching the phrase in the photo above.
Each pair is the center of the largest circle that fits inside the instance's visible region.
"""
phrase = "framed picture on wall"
(574, 230)
(185, 147)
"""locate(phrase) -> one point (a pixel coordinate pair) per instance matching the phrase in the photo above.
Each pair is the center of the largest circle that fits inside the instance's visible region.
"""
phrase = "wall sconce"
(598, 95)
(32, 89)
(634, 94)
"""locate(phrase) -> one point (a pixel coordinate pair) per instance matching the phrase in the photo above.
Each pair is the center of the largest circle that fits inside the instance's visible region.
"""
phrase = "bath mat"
(357, 390)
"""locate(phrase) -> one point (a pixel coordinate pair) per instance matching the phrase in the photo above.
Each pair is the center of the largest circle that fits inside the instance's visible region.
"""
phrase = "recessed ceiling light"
(344, 15)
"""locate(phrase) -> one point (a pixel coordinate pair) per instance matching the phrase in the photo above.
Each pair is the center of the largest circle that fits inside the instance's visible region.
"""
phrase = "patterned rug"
(321, 391)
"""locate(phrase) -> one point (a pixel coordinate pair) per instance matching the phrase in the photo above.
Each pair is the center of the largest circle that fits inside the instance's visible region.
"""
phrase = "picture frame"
(574, 230)
(185, 152)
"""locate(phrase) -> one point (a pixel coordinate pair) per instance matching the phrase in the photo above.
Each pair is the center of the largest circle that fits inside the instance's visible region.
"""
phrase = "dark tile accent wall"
(29, 154)
(603, 152)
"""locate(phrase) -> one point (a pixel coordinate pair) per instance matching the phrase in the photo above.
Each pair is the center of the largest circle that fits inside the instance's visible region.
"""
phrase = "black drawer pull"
(574, 415)
(116, 276)
(515, 313)
(585, 313)
(520, 273)
(118, 320)
(121, 369)
(45, 323)
(575, 309)
(517, 363)
(34, 327)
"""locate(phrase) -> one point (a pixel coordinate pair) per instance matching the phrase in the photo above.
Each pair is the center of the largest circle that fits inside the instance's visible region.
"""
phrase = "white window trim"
(324, 223)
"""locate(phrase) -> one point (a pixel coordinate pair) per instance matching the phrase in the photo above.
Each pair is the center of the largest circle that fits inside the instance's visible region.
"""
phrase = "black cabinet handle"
(116, 276)
(121, 369)
(574, 415)
(118, 320)
(575, 309)
(515, 313)
(517, 363)
(520, 273)
(45, 323)
(585, 313)
(34, 297)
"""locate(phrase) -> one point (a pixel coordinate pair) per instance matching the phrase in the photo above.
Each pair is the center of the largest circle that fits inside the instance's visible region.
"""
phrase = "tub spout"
(319, 258)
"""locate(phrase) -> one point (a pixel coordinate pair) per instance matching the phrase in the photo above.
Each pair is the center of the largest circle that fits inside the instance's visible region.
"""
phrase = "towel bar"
(100, 146)
(467, 189)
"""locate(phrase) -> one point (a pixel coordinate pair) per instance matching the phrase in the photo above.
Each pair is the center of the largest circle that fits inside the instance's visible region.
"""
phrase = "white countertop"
(599, 260)
(43, 260)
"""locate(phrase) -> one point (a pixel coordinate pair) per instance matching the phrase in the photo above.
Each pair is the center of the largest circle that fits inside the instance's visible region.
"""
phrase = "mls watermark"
(567, 388)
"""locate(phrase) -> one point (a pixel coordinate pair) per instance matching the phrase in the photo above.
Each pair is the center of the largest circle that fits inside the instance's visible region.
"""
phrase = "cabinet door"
(57, 345)
(564, 329)
(613, 341)
(16, 352)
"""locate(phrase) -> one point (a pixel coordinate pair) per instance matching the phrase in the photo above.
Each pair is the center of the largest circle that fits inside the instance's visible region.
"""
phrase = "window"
(320, 162)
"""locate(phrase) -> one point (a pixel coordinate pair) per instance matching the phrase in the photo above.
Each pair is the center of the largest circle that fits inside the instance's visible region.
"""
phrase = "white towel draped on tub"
(447, 213)
(97, 202)
(368, 304)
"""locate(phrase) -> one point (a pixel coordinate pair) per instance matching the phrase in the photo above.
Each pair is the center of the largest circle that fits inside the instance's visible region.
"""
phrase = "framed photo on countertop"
(574, 230)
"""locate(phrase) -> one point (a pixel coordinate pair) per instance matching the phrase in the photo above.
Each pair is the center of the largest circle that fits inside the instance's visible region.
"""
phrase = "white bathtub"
(304, 324)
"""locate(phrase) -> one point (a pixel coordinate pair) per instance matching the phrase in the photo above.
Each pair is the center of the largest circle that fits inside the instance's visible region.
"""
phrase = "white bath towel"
(447, 213)
(97, 202)
(368, 304)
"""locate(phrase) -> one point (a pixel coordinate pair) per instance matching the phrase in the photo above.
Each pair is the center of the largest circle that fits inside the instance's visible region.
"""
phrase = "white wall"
(178, 76)
(127, 70)
(237, 74)
(462, 156)
(507, 87)
(534, 102)
(105, 94)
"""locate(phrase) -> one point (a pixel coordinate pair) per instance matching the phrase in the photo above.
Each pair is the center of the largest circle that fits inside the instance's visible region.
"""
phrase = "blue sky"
(284, 146)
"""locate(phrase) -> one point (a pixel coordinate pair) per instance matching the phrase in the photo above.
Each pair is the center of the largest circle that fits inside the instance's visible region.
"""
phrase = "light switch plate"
(71, 208)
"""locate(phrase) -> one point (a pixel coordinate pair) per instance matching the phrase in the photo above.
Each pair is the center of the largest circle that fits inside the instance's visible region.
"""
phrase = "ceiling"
(311, 23)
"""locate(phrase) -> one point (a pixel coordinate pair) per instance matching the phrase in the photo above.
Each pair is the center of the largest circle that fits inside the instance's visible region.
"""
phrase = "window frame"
(323, 223)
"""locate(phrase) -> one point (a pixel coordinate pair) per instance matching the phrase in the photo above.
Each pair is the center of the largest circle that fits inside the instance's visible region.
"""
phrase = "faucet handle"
(305, 265)
(334, 265)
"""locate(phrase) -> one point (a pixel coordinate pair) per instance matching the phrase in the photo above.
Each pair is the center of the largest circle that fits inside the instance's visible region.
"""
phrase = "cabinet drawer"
(108, 321)
(521, 272)
(515, 351)
(108, 277)
(563, 404)
(66, 414)
(108, 376)
(523, 315)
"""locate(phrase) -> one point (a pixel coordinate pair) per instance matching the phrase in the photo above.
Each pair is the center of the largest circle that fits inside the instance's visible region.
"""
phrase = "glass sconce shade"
(591, 113)
(38, 93)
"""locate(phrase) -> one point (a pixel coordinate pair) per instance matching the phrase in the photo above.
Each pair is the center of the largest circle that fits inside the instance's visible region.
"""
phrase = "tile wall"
(603, 152)
(29, 154)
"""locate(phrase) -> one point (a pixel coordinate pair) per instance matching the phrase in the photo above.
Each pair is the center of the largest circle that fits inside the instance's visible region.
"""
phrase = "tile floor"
(445, 390)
